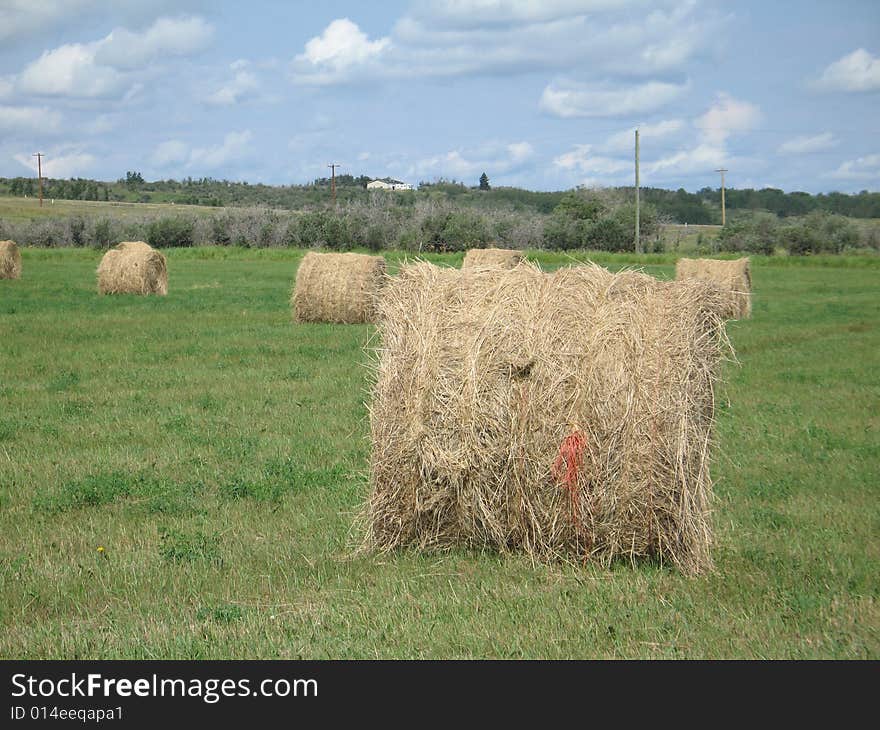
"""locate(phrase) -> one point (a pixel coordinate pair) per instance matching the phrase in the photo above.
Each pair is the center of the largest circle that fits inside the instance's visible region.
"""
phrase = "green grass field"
(179, 478)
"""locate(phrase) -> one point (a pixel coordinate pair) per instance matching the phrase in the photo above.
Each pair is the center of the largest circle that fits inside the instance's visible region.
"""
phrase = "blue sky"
(543, 94)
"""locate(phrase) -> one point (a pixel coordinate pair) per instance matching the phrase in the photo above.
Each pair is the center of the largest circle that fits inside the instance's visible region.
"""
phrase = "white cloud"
(703, 157)
(20, 17)
(858, 71)
(469, 13)
(578, 100)
(103, 68)
(625, 140)
(29, 119)
(124, 49)
(236, 146)
(102, 124)
(60, 164)
(862, 168)
(581, 160)
(243, 85)
(473, 37)
(493, 158)
(806, 144)
(70, 70)
(727, 116)
(341, 48)
(520, 151)
(170, 152)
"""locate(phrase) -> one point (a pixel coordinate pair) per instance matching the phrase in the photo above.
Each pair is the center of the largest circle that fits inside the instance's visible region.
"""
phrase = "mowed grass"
(179, 478)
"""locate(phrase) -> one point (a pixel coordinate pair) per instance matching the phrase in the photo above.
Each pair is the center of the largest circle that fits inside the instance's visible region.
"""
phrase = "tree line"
(676, 206)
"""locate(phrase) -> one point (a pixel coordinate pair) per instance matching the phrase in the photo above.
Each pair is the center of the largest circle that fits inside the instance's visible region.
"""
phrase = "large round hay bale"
(10, 260)
(337, 287)
(133, 267)
(564, 414)
(733, 277)
(501, 257)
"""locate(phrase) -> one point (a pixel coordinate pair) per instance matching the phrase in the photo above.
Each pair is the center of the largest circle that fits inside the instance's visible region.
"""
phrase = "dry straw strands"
(133, 267)
(733, 277)
(10, 260)
(505, 258)
(564, 415)
(337, 287)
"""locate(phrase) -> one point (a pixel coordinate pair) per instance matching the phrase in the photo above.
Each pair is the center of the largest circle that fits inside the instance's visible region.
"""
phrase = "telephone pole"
(638, 241)
(722, 170)
(39, 156)
(333, 167)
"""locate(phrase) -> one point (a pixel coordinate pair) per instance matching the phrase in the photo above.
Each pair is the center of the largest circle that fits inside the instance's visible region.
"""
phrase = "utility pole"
(638, 241)
(333, 167)
(39, 156)
(722, 170)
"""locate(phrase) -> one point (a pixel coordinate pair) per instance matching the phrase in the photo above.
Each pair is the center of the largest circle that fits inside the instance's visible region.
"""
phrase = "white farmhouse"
(388, 183)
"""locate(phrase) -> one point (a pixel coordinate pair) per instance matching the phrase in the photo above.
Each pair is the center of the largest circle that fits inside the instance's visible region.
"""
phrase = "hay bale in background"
(337, 287)
(563, 414)
(133, 267)
(503, 257)
(10, 260)
(733, 277)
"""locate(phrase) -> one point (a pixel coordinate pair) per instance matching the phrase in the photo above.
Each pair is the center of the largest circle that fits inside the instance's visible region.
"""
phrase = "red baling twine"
(565, 468)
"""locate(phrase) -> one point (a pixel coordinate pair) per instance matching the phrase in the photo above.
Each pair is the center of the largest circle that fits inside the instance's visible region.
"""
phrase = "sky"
(541, 94)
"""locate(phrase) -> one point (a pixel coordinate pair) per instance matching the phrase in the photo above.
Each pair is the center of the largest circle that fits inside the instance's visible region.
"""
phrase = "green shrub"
(219, 232)
(463, 230)
(609, 234)
(561, 232)
(581, 205)
(170, 233)
(102, 237)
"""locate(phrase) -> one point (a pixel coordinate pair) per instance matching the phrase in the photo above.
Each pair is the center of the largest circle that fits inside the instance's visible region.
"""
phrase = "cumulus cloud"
(493, 158)
(862, 168)
(124, 49)
(582, 160)
(625, 140)
(28, 119)
(469, 13)
(171, 152)
(570, 100)
(858, 71)
(342, 46)
(806, 144)
(471, 37)
(20, 19)
(70, 70)
(244, 85)
(103, 68)
(236, 146)
(726, 117)
(60, 164)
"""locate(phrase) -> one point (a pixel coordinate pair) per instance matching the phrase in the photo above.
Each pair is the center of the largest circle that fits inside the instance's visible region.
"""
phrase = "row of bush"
(592, 220)
(816, 233)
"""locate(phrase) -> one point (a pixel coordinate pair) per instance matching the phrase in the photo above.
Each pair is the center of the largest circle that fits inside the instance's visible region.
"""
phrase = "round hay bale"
(337, 287)
(564, 415)
(500, 257)
(10, 260)
(734, 278)
(133, 267)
